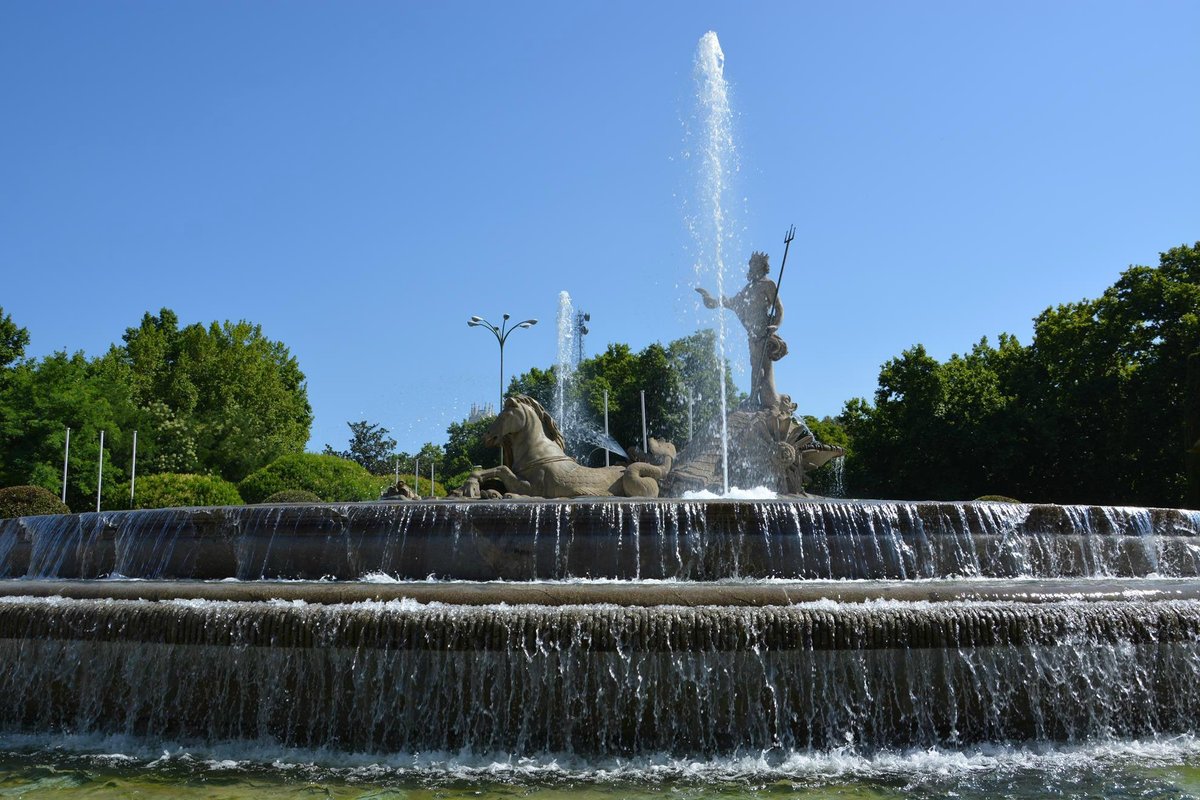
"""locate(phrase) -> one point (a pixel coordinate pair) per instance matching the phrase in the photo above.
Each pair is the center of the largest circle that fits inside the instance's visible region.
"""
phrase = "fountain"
(587, 637)
(565, 365)
(589, 630)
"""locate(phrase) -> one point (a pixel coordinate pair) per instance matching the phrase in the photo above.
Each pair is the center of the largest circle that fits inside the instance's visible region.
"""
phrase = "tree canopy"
(370, 446)
(222, 400)
(1100, 407)
(665, 373)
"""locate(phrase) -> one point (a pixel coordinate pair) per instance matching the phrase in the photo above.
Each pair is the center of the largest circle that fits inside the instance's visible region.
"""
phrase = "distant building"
(479, 412)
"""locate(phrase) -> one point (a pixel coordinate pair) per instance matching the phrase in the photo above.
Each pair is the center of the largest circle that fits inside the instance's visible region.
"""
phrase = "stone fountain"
(599, 632)
(760, 444)
(585, 629)
(603, 628)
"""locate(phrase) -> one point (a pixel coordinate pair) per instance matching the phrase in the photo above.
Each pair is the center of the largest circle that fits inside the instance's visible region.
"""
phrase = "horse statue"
(536, 464)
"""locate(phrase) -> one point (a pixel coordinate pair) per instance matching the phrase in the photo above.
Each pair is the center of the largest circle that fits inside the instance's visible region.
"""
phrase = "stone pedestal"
(767, 447)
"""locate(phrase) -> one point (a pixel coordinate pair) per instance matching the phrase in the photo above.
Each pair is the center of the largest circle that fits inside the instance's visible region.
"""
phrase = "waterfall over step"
(602, 681)
(625, 540)
(604, 629)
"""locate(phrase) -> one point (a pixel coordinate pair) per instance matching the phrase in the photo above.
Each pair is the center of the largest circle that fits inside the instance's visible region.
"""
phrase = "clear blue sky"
(361, 177)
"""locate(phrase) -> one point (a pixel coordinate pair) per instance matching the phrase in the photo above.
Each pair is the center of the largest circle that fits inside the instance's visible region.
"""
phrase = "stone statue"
(757, 306)
(537, 465)
(400, 491)
(767, 445)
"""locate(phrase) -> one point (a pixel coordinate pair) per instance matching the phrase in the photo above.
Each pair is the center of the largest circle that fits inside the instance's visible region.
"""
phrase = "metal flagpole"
(100, 473)
(133, 469)
(689, 413)
(645, 444)
(66, 457)
(607, 437)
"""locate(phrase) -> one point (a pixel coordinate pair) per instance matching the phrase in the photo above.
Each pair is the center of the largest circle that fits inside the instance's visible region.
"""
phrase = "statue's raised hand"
(709, 300)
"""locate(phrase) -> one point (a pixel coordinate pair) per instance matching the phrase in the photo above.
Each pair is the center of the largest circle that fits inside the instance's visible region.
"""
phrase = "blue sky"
(361, 177)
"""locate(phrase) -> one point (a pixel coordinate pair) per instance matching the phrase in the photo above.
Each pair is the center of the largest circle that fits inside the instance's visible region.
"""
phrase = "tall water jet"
(719, 161)
(566, 365)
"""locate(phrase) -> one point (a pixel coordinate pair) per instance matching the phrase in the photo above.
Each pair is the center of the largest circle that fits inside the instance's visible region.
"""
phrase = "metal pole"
(689, 413)
(501, 334)
(645, 445)
(66, 457)
(417, 476)
(133, 469)
(100, 473)
(607, 437)
(432, 493)
(500, 337)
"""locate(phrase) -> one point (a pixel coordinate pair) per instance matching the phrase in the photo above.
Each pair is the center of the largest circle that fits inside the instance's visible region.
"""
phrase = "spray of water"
(566, 349)
(718, 162)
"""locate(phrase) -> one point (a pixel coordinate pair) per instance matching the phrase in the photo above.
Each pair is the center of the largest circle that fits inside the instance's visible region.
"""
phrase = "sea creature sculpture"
(536, 464)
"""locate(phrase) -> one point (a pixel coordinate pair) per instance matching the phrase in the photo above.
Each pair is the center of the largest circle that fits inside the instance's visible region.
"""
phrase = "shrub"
(440, 489)
(29, 501)
(331, 479)
(293, 496)
(174, 489)
(995, 498)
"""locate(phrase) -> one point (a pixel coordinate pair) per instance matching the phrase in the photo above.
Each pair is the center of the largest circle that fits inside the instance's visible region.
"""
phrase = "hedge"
(293, 496)
(174, 489)
(29, 501)
(331, 479)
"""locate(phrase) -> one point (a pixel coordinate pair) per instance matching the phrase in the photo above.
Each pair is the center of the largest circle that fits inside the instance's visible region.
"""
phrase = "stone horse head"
(523, 420)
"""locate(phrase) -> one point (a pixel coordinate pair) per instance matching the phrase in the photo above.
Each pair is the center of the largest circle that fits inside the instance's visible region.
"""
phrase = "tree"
(39, 401)
(221, 399)
(665, 374)
(13, 340)
(234, 395)
(1100, 408)
(370, 446)
(465, 448)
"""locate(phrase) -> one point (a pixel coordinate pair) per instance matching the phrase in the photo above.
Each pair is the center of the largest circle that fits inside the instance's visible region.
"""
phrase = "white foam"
(915, 766)
(734, 493)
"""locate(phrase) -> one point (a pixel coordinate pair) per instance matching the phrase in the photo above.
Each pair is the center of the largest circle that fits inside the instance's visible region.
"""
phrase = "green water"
(1135, 773)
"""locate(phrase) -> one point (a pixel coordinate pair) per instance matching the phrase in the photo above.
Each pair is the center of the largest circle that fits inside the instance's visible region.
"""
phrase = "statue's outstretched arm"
(709, 300)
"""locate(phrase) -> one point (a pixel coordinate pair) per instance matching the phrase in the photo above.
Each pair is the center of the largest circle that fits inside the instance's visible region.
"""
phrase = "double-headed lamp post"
(501, 334)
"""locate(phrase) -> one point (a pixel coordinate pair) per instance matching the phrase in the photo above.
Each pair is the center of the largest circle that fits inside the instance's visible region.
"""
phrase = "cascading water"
(728, 636)
(718, 162)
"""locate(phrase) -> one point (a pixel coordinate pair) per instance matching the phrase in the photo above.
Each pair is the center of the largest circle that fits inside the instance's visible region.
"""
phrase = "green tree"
(238, 398)
(370, 446)
(465, 448)
(1099, 408)
(665, 374)
(13, 340)
(39, 401)
(1113, 379)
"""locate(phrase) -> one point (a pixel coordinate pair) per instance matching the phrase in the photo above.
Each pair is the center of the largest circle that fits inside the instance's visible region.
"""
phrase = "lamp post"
(501, 334)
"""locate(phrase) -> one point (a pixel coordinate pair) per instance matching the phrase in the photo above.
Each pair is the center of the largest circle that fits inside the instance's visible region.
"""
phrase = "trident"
(787, 242)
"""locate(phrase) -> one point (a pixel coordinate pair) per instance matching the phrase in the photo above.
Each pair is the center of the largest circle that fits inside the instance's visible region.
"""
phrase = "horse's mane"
(548, 425)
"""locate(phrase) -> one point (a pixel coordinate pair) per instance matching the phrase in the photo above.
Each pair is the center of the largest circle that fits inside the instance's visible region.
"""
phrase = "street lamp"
(501, 335)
